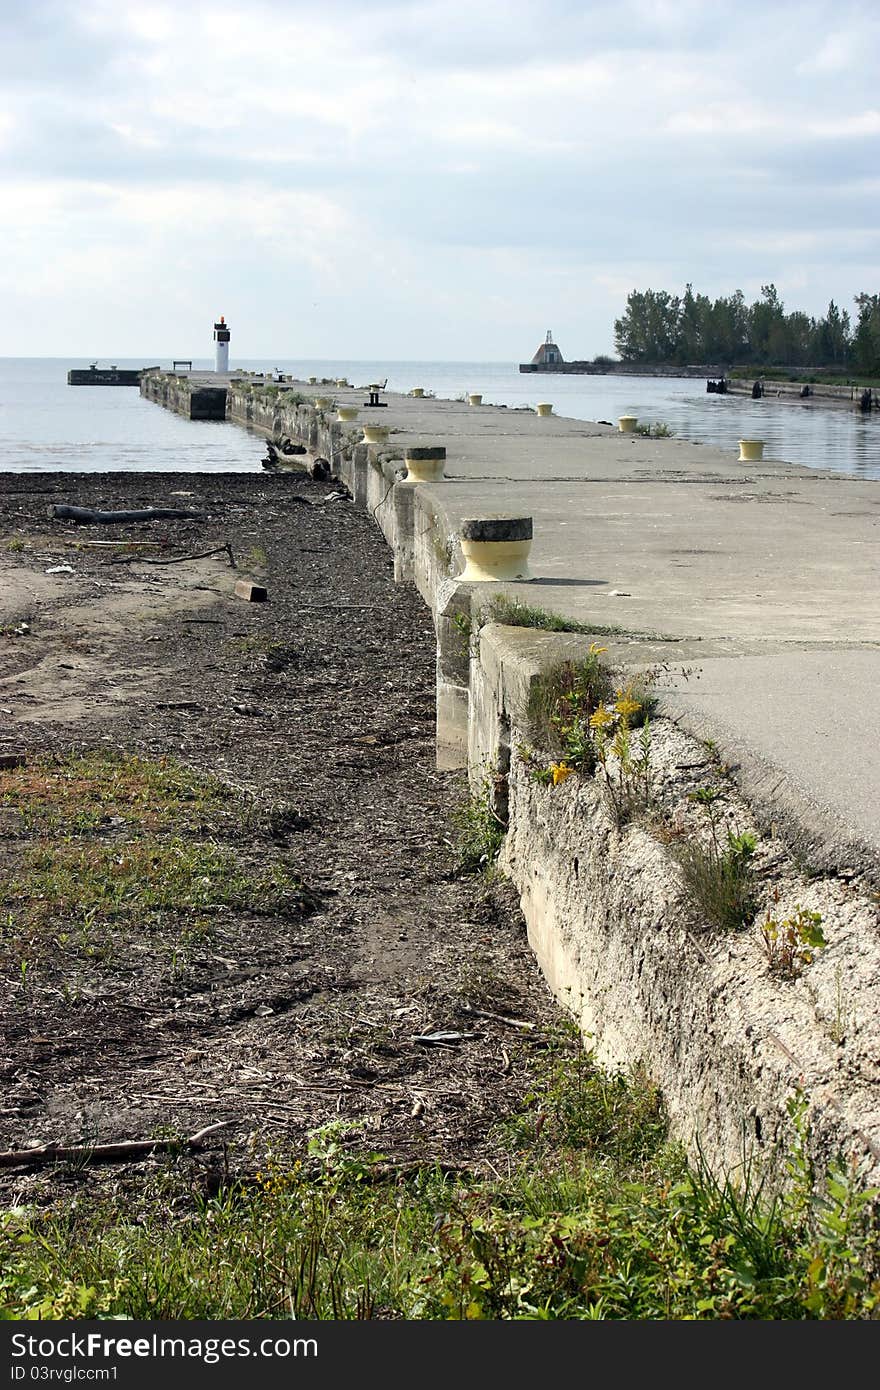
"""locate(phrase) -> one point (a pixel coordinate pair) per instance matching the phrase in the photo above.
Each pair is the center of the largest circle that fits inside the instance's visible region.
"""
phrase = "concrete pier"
(104, 376)
(751, 589)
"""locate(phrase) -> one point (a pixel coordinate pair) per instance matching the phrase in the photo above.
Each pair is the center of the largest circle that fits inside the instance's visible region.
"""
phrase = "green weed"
(512, 613)
(596, 1219)
(718, 876)
(656, 430)
(479, 830)
(792, 943)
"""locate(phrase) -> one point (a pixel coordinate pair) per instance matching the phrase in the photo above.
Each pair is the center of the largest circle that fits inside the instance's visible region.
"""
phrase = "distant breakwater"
(618, 369)
(822, 393)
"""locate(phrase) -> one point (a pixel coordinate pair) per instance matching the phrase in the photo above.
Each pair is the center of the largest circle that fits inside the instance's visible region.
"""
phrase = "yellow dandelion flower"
(601, 718)
(560, 772)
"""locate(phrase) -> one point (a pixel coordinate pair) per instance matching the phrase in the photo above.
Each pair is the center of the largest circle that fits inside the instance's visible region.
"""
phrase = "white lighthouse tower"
(221, 338)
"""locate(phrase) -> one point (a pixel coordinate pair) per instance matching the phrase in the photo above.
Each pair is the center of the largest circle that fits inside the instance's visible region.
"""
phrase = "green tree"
(726, 335)
(866, 341)
(832, 338)
(693, 322)
(792, 345)
(766, 325)
(648, 329)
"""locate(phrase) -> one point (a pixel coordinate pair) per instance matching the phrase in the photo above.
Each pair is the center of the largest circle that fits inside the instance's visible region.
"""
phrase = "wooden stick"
(177, 559)
(88, 516)
(105, 1153)
(501, 1018)
(117, 545)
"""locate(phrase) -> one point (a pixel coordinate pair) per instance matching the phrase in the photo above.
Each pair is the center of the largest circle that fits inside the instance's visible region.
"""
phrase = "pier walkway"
(767, 574)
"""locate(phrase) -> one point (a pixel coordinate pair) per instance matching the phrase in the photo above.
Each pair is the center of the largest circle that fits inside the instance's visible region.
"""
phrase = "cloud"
(425, 170)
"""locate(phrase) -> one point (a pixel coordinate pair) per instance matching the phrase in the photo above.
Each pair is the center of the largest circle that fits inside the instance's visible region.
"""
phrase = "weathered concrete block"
(250, 592)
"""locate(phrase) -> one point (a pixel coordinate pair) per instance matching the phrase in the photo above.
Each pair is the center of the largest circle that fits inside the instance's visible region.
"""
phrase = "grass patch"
(512, 613)
(479, 830)
(610, 1223)
(575, 1105)
(114, 853)
(84, 790)
(820, 377)
(656, 429)
(137, 881)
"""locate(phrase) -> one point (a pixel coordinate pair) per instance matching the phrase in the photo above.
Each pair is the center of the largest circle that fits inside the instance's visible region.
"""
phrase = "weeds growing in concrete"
(512, 613)
(561, 704)
(718, 876)
(577, 713)
(792, 943)
(625, 760)
(655, 430)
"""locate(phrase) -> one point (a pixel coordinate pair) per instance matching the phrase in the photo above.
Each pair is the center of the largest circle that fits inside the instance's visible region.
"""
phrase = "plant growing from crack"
(792, 943)
(625, 763)
(718, 876)
(656, 430)
(591, 726)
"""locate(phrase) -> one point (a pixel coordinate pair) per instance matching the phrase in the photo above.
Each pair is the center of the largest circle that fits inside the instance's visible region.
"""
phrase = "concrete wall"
(821, 393)
(651, 983)
(196, 399)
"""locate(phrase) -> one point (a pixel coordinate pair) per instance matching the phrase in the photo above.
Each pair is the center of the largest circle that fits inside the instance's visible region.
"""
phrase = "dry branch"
(177, 559)
(104, 1153)
(88, 516)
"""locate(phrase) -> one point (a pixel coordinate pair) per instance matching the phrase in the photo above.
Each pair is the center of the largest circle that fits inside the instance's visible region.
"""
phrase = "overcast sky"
(436, 180)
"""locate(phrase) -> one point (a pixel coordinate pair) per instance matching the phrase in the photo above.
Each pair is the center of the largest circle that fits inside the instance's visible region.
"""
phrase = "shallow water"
(46, 424)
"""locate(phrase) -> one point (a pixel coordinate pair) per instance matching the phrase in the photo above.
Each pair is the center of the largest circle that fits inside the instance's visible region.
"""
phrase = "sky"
(444, 180)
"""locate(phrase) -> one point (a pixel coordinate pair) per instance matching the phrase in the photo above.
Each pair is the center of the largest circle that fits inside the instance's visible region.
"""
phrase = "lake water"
(46, 424)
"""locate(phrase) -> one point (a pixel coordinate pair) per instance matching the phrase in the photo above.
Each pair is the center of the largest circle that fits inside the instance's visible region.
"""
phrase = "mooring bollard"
(627, 424)
(375, 434)
(322, 402)
(418, 392)
(751, 450)
(544, 408)
(475, 398)
(496, 548)
(347, 412)
(425, 464)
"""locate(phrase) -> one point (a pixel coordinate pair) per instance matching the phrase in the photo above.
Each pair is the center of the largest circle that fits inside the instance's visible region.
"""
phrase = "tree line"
(664, 328)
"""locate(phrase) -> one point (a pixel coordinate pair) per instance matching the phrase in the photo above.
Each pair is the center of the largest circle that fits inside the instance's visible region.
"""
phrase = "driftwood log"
(105, 1153)
(88, 516)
